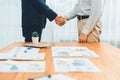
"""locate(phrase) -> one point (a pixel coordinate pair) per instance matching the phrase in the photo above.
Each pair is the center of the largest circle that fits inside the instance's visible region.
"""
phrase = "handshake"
(60, 20)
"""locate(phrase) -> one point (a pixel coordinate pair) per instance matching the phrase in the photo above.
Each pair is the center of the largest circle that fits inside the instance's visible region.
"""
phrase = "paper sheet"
(2, 56)
(22, 66)
(62, 51)
(74, 54)
(69, 48)
(23, 53)
(74, 65)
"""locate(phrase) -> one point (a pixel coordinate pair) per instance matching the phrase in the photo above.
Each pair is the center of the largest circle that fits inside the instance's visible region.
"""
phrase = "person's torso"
(84, 7)
(31, 15)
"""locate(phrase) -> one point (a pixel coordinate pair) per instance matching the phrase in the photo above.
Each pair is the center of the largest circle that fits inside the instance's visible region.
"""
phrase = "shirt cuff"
(69, 17)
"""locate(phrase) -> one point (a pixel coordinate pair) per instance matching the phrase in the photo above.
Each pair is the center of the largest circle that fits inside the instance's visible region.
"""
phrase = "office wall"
(111, 22)
(66, 33)
(11, 31)
(10, 21)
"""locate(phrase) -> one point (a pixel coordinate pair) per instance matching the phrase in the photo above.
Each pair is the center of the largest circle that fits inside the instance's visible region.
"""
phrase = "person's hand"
(60, 20)
(65, 18)
(83, 38)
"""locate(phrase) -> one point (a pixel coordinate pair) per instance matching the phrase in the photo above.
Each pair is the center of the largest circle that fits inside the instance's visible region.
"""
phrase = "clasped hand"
(60, 20)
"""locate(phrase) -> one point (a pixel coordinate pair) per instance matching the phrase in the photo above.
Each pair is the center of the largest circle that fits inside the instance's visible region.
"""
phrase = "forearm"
(70, 15)
(93, 17)
(73, 13)
(49, 13)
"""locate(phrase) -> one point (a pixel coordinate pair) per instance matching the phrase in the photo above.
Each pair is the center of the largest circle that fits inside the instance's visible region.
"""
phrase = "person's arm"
(72, 14)
(49, 13)
(96, 12)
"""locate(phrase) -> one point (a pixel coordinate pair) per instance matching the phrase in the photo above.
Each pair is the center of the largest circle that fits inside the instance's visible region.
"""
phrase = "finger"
(60, 24)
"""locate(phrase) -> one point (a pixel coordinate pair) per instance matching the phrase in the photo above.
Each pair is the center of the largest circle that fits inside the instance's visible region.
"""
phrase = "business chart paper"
(74, 54)
(74, 65)
(23, 53)
(22, 66)
(59, 51)
(69, 48)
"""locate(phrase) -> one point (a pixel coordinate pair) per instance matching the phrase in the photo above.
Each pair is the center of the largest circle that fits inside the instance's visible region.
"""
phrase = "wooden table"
(108, 63)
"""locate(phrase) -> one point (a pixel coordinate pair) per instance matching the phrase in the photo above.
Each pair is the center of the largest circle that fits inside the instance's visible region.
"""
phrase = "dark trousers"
(28, 30)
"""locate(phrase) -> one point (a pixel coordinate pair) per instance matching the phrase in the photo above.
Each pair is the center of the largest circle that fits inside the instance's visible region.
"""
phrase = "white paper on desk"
(55, 77)
(82, 65)
(61, 65)
(36, 66)
(74, 65)
(15, 52)
(4, 67)
(2, 56)
(31, 66)
(89, 54)
(25, 53)
(22, 66)
(69, 48)
(74, 54)
(31, 56)
(24, 50)
(61, 77)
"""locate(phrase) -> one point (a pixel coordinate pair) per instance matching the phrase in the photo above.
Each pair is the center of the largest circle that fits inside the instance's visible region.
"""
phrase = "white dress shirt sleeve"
(95, 14)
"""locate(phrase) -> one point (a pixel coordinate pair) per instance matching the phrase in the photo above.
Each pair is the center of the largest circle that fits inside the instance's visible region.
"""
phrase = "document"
(74, 54)
(69, 48)
(22, 66)
(24, 53)
(4, 67)
(58, 51)
(74, 65)
(2, 56)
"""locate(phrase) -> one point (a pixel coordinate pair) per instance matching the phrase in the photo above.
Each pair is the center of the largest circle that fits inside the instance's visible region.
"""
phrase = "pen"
(49, 76)
(41, 78)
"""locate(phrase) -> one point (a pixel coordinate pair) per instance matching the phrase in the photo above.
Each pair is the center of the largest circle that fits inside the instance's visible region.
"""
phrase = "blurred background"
(11, 31)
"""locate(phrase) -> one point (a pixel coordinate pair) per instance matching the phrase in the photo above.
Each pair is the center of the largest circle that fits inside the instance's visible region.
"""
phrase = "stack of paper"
(63, 64)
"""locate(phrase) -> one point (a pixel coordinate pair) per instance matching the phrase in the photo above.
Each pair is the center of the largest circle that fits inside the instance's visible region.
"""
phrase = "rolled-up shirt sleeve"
(95, 14)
